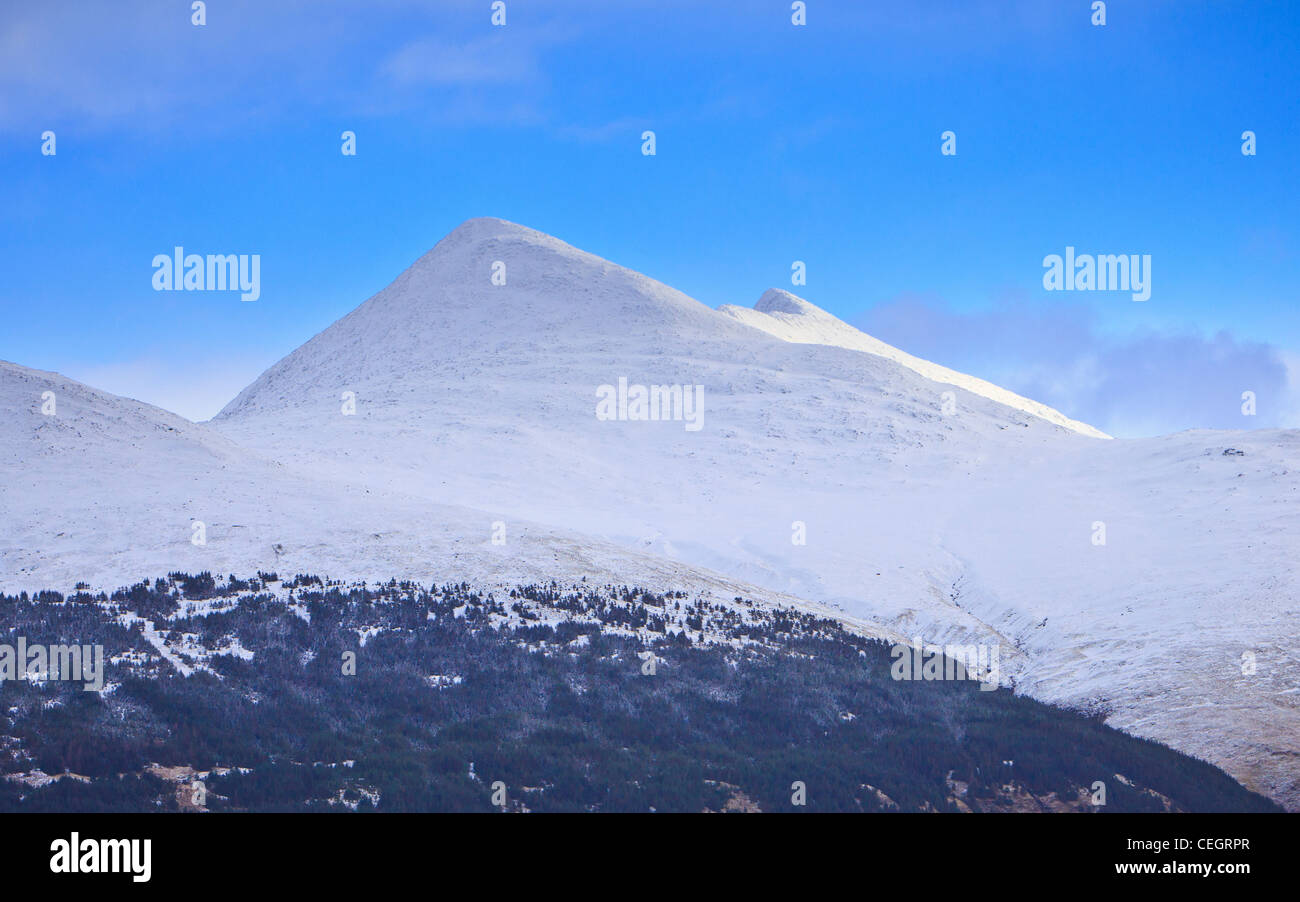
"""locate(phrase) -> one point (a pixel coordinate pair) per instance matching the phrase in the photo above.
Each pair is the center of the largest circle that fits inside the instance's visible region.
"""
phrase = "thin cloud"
(436, 61)
(56, 65)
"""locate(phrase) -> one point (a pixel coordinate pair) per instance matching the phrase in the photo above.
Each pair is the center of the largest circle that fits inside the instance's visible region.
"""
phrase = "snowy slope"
(106, 490)
(482, 395)
(975, 525)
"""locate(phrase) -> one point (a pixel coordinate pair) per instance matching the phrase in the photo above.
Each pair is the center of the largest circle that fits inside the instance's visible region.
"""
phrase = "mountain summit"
(492, 286)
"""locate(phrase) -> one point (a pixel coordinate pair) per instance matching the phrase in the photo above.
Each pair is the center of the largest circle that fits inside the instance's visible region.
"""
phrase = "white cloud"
(1143, 383)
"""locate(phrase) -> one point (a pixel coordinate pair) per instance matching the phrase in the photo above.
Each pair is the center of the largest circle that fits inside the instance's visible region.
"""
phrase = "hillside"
(543, 697)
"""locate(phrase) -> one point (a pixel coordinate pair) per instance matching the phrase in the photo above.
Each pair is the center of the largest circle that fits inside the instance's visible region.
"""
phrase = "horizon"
(820, 144)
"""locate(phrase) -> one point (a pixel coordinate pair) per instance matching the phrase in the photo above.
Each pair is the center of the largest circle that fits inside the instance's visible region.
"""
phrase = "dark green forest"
(539, 699)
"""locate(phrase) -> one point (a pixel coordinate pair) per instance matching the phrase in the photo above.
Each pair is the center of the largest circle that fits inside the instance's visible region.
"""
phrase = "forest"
(309, 695)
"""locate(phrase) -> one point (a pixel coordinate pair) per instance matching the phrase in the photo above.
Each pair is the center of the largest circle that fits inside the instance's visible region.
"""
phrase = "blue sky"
(775, 143)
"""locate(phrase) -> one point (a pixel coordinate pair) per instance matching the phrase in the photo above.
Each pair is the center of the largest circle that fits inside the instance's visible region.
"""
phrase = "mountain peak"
(494, 291)
(777, 300)
(474, 234)
(484, 227)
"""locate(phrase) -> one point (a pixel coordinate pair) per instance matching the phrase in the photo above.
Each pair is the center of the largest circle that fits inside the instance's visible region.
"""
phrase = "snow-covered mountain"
(930, 502)
(485, 395)
(107, 491)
